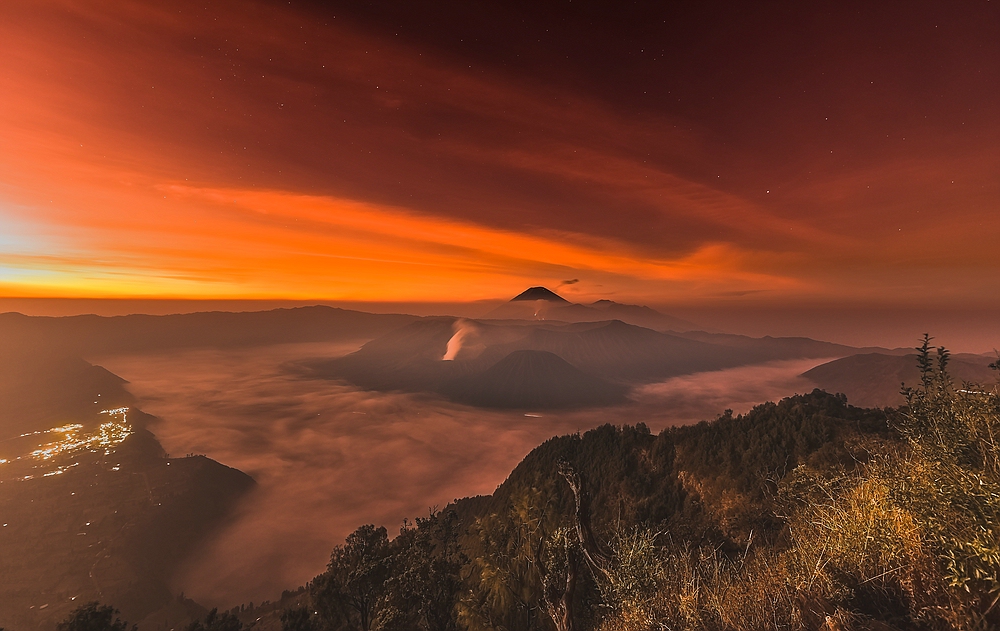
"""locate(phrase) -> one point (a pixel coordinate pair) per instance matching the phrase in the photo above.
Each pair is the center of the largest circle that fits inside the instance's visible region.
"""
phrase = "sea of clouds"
(329, 457)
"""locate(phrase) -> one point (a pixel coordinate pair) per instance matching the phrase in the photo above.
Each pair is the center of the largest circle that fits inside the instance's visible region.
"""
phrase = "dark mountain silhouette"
(89, 335)
(42, 389)
(874, 379)
(768, 347)
(642, 316)
(535, 379)
(539, 293)
(411, 358)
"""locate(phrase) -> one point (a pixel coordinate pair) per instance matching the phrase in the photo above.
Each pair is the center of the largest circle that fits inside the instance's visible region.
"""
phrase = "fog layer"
(329, 457)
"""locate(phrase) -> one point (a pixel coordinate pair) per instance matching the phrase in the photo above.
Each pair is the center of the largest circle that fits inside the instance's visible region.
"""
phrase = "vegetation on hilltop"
(93, 616)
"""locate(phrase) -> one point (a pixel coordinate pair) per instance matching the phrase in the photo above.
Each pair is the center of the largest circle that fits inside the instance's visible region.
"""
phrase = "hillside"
(43, 389)
(111, 528)
(712, 484)
(92, 508)
(706, 476)
(874, 379)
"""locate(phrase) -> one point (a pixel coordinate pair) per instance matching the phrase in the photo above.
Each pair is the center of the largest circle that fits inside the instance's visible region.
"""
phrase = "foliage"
(215, 621)
(954, 487)
(411, 582)
(353, 589)
(94, 616)
(426, 579)
(507, 575)
(299, 619)
(904, 541)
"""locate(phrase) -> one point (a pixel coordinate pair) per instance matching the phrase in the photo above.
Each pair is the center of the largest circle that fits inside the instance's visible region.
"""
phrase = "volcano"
(536, 379)
(539, 293)
(541, 303)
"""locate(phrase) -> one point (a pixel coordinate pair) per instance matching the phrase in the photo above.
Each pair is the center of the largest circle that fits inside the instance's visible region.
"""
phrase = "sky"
(770, 153)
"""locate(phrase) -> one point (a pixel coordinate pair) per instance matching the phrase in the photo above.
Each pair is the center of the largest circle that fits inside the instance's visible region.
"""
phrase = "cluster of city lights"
(72, 439)
(107, 436)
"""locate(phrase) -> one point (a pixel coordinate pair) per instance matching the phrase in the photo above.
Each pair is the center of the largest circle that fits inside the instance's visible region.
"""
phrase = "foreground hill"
(805, 514)
(712, 478)
(714, 484)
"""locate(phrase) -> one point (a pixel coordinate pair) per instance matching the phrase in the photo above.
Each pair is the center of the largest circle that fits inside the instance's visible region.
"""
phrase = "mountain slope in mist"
(689, 476)
(92, 507)
(113, 528)
(445, 355)
(535, 379)
(768, 347)
(875, 379)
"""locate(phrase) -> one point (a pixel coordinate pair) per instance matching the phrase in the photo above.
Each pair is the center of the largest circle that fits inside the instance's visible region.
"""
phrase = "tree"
(954, 437)
(298, 620)
(353, 589)
(94, 616)
(216, 622)
(525, 565)
(427, 567)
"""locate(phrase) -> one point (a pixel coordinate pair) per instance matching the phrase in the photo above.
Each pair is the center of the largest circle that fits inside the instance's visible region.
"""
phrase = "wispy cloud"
(246, 149)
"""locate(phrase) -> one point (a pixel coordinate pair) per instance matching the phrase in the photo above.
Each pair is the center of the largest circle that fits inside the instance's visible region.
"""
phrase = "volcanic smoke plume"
(463, 328)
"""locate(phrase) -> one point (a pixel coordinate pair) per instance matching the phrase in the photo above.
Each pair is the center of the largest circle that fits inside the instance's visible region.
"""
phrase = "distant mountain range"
(616, 344)
(88, 335)
(530, 362)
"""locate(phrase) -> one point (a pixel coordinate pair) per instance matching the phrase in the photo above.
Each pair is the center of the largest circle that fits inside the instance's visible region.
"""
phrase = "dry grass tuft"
(906, 542)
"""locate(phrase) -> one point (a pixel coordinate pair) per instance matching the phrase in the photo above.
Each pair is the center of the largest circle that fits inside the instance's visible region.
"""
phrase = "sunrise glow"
(273, 153)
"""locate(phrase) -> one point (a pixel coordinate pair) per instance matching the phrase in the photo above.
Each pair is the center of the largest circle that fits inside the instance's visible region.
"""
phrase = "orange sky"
(284, 151)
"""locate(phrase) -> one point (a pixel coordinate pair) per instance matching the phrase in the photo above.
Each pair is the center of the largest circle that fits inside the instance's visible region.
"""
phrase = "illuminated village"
(57, 456)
